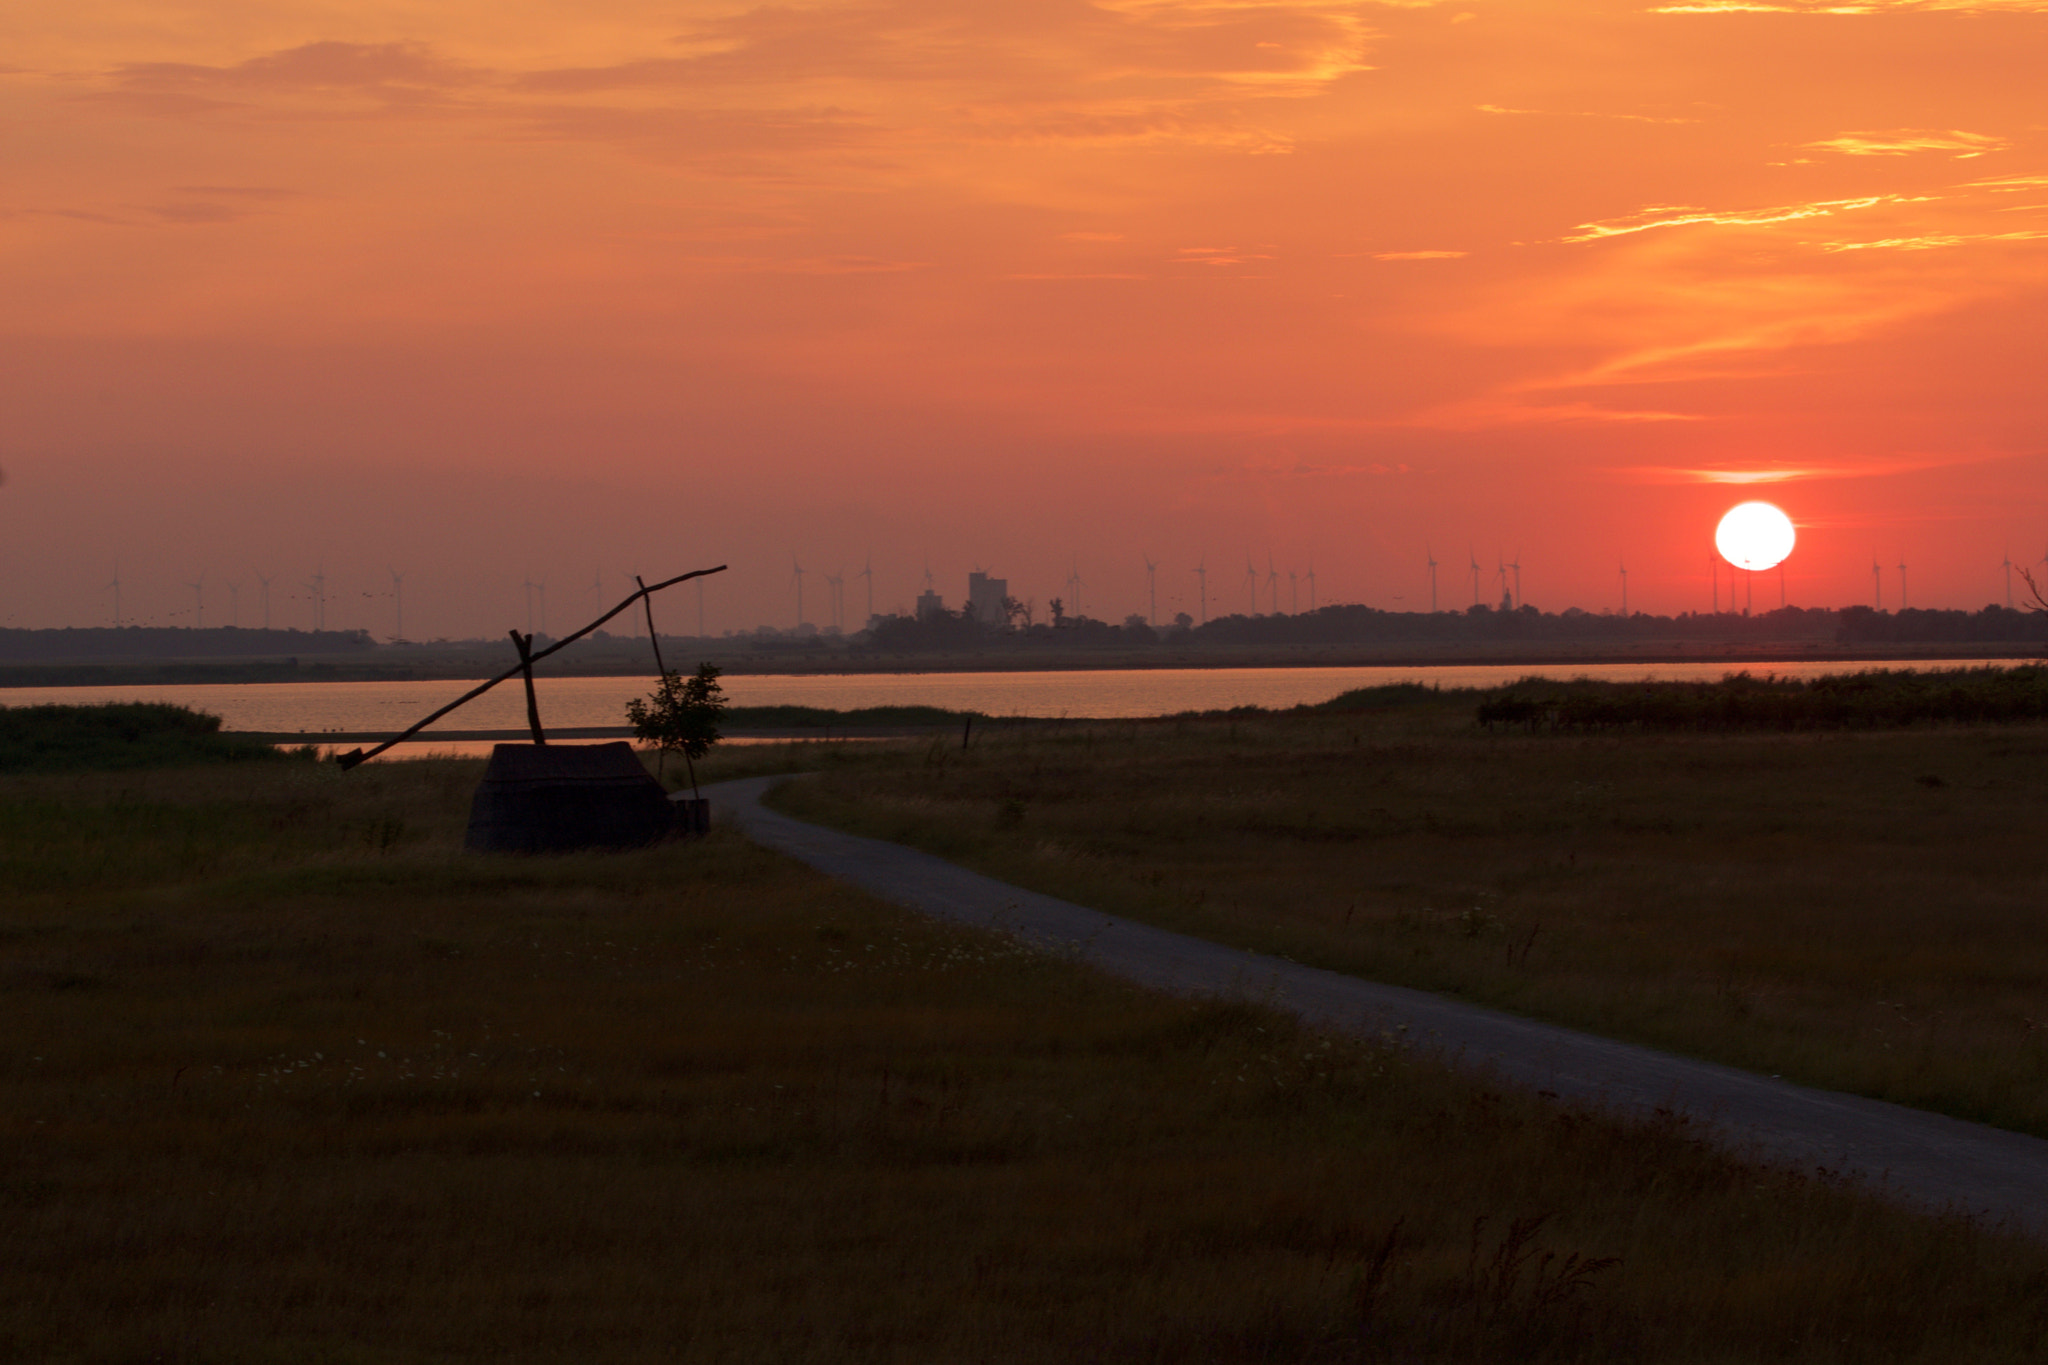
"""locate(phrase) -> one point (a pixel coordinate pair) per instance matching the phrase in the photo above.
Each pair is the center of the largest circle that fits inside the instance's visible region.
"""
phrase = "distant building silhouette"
(930, 606)
(985, 599)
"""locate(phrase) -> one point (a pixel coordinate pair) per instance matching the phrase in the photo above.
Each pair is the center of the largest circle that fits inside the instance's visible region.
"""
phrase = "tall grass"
(1873, 699)
(1861, 911)
(308, 1092)
(115, 735)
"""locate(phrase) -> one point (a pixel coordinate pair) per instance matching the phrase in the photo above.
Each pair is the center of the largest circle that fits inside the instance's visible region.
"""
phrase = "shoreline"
(1548, 654)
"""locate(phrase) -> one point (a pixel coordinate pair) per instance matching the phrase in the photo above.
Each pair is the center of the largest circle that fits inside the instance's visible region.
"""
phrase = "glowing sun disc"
(1754, 535)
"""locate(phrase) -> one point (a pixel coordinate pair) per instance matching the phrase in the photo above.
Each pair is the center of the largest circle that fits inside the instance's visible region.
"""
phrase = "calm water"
(312, 708)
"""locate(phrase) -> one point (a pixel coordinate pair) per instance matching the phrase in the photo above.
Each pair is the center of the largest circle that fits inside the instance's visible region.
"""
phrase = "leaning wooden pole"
(524, 643)
(354, 757)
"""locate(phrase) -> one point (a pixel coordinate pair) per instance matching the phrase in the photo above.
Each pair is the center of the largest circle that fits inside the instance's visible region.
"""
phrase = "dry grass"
(1859, 911)
(288, 1078)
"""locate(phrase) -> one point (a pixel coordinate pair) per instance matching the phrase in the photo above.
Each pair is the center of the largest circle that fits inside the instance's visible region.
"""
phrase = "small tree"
(681, 716)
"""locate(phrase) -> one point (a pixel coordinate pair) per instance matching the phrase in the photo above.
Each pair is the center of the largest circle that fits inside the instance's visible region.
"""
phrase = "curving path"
(1923, 1158)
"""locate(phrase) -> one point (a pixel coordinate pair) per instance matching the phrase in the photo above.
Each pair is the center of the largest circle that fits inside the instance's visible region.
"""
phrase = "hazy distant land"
(1338, 636)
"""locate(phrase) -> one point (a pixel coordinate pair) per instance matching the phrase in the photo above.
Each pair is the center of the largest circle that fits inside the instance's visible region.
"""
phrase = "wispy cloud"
(1934, 241)
(1877, 468)
(311, 66)
(1875, 7)
(1419, 255)
(1586, 113)
(1661, 474)
(2011, 184)
(1217, 256)
(1666, 216)
(1904, 141)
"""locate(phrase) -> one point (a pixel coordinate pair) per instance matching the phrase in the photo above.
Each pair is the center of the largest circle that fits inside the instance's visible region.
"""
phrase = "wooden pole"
(357, 756)
(525, 644)
(647, 600)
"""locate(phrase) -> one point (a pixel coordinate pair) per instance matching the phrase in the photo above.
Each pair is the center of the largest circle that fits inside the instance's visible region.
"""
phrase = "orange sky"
(548, 289)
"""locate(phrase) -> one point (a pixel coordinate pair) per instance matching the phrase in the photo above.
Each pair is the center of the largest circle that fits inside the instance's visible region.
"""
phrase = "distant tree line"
(1333, 625)
(172, 642)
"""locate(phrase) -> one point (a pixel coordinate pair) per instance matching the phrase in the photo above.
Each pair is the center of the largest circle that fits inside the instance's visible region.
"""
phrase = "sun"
(1754, 535)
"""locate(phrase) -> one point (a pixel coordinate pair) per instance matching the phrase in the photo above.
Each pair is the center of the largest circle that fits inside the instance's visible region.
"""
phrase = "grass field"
(1865, 911)
(289, 1078)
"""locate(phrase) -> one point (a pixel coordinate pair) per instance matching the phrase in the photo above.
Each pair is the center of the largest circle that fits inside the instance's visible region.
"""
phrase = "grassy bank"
(289, 1078)
(1873, 699)
(117, 735)
(1860, 911)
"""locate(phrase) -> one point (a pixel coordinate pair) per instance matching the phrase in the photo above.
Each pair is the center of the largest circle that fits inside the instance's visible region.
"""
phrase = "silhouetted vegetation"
(819, 718)
(121, 735)
(1354, 624)
(1874, 699)
(682, 717)
(172, 642)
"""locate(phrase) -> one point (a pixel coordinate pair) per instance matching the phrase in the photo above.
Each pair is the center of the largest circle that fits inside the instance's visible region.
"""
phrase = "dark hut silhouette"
(541, 798)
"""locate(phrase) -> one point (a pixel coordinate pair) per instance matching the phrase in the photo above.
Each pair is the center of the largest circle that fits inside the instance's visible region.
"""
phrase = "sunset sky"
(533, 289)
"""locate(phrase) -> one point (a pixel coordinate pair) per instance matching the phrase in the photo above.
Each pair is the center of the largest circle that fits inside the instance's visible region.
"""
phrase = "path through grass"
(1860, 911)
(289, 1078)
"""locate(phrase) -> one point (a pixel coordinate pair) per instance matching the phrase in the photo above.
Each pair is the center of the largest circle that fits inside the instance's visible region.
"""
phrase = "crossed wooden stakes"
(528, 657)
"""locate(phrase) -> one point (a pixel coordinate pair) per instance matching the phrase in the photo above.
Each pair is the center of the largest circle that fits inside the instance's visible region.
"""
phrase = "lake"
(316, 708)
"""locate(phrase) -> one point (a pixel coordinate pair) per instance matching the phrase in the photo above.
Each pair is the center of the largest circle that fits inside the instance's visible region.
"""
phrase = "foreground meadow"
(289, 1078)
(1863, 910)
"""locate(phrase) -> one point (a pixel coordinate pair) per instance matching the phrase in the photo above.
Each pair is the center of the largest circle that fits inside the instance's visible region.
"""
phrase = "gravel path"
(1923, 1158)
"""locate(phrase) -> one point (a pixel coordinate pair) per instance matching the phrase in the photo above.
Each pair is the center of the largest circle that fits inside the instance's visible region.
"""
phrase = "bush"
(122, 735)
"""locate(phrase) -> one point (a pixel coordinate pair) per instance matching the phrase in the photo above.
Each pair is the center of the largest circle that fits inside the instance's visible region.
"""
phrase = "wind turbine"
(1074, 588)
(1202, 578)
(1515, 565)
(867, 572)
(540, 590)
(398, 604)
(1311, 576)
(1904, 601)
(597, 586)
(199, 603)
(318, 585)
(835, 594)
(1251, 581)
(1624, 590)
(1430, 555)
(800, 590)
(1714, 573)
(2008, 578)
(235, 603)
(1877, 582)
(116, 586)
(1293, 593)
(1473, 555)
(265, 580)
(1152, 582)
(1273, 585)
